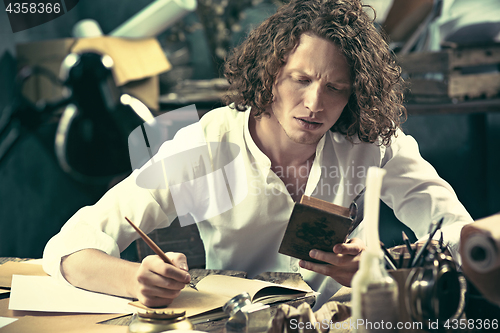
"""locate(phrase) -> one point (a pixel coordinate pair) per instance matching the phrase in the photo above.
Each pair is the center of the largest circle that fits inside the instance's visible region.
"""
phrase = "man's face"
(311, 90)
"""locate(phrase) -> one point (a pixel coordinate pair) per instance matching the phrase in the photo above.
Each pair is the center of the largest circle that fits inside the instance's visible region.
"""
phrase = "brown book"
(316, 224)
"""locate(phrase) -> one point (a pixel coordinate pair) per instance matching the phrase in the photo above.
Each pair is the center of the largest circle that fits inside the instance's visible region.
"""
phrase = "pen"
(401, 258)
(154, 247)
(426, 245)
(388, 258)
(389, 263)
(441, 242)
(408, 246)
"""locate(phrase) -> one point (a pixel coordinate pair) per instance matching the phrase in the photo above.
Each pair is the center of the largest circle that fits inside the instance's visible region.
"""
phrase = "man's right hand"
(153, 282)
(159, 283)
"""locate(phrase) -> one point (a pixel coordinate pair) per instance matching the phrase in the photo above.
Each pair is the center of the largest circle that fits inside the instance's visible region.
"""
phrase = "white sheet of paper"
(4, 321)
(43, 293)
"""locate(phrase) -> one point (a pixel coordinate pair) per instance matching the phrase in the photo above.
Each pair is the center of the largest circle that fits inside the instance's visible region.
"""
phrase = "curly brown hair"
(375, 108)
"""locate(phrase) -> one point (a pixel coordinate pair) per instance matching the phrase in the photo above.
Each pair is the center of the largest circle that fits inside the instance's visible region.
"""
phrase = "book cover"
(315, 224)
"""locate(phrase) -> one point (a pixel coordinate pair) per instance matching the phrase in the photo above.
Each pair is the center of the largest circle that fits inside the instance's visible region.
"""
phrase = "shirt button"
(295, 268)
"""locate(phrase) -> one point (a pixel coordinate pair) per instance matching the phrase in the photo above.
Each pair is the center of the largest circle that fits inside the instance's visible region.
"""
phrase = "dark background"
(37, 197)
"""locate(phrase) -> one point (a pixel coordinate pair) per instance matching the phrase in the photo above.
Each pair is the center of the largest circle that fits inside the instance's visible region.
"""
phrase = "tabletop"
(113, 321)
(196, 275)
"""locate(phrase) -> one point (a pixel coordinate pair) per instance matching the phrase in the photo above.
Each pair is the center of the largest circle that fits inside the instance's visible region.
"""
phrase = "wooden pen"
(388, 258)
(421, 253)
(406, 240)
(155, 247)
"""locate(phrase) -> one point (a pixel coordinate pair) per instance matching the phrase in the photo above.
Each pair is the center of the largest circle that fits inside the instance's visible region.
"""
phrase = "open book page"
(192, 301)
(258, 290)
(215, 290)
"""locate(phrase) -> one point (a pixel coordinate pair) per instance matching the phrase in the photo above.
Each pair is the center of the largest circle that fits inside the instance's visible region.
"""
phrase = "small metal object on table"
(159, 321)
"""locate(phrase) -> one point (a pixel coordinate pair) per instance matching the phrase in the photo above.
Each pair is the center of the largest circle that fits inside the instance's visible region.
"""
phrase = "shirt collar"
(315, 172)
(265, 163)
(260, 158)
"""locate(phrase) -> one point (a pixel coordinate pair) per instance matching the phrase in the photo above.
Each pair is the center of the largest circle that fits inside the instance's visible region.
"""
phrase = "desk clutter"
(423, 290)
(33, 301)
(430, 290)
(331, 317)
(431, 294)
(214, 291)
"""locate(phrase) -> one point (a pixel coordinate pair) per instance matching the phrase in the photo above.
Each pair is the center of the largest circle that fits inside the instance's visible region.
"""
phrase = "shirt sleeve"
(144, 197)
(418, 196)
(103, 225)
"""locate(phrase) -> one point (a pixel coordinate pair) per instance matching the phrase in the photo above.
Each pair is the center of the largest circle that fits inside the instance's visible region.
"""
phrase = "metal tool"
(245, 316)
(159, 321)
(436, 291)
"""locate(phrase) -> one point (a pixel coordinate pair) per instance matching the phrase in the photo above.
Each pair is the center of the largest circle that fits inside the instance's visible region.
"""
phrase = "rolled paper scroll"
(480, 251)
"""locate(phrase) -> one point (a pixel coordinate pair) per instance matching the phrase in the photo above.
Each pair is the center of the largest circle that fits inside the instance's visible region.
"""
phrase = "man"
(318, 102)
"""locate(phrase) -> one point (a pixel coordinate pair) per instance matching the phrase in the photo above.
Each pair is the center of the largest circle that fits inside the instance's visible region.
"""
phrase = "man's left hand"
(341, 264)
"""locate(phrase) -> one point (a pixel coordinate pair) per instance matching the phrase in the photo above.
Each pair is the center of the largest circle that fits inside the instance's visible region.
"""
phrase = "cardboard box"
(137, 65)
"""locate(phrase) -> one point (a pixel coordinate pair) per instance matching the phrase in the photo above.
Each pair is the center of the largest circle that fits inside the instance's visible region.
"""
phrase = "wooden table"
(198, 274)
(343, 296)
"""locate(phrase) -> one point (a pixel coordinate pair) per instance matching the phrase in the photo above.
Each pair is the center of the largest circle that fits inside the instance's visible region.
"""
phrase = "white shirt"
(247, 236)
